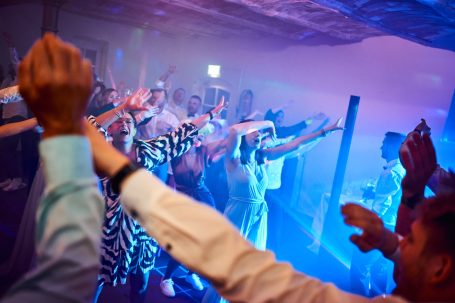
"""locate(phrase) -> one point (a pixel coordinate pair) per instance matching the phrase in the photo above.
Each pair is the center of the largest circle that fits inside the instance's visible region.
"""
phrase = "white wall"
(398, 81)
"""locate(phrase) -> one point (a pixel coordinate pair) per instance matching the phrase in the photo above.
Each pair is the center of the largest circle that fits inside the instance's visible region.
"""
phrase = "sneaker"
(167, 288)
(15, 185)
(195, 281)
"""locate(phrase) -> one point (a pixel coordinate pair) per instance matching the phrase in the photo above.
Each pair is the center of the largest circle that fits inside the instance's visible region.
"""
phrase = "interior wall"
(398, 81)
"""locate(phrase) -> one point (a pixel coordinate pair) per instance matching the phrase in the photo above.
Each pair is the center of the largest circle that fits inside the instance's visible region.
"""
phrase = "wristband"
(210, 114)
(121, 175)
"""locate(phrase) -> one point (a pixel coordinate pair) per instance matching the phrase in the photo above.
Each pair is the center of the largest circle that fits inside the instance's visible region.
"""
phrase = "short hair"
(394, 141)
(153, 90)
(395, 138)
(437, 215)
(196, 97)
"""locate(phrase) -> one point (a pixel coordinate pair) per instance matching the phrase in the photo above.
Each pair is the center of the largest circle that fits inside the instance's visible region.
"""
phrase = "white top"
(158, 125)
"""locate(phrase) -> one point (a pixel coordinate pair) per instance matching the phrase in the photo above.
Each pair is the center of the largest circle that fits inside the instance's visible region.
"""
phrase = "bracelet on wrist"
(210, 114)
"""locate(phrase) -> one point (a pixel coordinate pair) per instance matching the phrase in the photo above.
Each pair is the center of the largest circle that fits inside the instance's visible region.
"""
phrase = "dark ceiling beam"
(265, 7)
(143, 21)
(189, 5)
(352, 10)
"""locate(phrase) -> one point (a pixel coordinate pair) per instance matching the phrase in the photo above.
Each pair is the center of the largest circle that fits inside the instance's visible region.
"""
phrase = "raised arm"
(283, 150)
(135, 102)
(162, 80)
(238, 130)
(202, 120)
(70, 215)
(15, 128)
(418, 156)
(164, 148)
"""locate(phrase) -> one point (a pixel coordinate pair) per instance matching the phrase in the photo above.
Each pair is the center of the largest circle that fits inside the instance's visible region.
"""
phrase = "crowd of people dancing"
(152, 155)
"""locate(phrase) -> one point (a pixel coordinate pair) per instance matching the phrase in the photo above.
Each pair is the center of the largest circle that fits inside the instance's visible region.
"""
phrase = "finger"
(146, 96)
(143, 91)
(76, 69)
(352, 210)
(405, 157)
(136, 93)
(339, 121)
(415, 146)
(429, 151)
(361, 243)
(364, 246)
(365, 225)
(58, 53)
(41, 72)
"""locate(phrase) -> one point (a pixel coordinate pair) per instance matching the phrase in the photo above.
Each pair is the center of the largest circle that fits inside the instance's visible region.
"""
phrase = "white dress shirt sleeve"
(207, 243)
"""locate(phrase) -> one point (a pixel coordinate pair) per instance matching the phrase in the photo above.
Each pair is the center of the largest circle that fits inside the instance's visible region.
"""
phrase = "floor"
(184, 291)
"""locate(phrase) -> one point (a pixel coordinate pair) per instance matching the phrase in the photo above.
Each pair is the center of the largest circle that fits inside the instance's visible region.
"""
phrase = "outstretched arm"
(15, 128)
(135, 102)
(164, 148)
(202, 120)
(282, 150)
(293, 130)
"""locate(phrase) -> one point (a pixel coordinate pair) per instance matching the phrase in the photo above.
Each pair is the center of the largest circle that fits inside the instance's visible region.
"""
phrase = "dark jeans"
(201, 194)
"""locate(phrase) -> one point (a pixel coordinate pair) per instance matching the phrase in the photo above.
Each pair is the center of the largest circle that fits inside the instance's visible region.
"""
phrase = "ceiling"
(307, 22)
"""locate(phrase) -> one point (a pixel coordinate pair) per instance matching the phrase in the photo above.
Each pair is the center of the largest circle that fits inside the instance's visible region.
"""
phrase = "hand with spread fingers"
(56, 83)
(220, 107)
(136, 102)
(374, 234)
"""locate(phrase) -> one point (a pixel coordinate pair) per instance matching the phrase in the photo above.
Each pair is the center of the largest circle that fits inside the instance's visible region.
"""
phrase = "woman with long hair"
(247, 177)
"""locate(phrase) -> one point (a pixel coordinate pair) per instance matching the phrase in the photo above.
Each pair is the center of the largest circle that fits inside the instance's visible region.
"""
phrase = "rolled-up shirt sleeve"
(207, 243)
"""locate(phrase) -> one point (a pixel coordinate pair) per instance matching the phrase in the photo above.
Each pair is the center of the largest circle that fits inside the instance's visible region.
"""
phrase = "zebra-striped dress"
(125, 246)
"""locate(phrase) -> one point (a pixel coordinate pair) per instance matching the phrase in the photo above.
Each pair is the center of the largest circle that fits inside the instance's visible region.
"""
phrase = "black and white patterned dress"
(125, 246)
